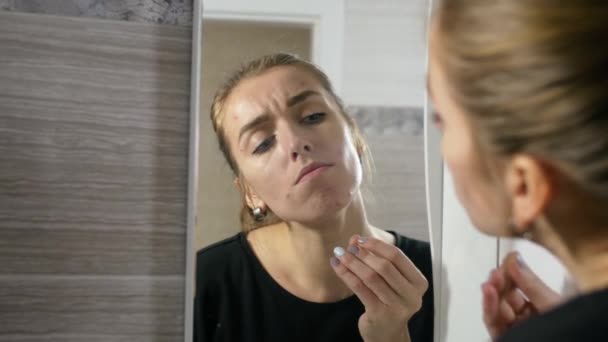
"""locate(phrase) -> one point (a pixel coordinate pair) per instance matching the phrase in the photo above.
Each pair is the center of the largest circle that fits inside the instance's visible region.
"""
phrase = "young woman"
(520, 88)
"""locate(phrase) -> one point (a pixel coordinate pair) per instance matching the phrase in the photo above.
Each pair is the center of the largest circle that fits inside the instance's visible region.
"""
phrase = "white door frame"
(325, 18)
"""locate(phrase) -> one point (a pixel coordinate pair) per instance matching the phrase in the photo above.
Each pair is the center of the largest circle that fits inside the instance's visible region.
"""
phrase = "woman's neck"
(297, 255)
(583, 248)
(588, 261)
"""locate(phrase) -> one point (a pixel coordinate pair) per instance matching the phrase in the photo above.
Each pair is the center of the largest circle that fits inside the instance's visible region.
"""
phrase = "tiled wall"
(396, 197)
(384, 52)
(384, 80)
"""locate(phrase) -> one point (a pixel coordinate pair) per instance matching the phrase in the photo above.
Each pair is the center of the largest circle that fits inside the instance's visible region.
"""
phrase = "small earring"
(258, 215)
(525, 235)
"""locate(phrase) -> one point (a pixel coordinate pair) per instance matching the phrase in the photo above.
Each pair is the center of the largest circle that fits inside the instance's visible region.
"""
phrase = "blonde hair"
(532, 76)
(256, 68)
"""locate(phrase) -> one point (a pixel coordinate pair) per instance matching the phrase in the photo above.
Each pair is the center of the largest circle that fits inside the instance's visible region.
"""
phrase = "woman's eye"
(265, 145)
(314, 118)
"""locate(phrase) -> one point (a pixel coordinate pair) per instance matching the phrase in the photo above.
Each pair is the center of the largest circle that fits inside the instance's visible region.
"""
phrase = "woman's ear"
(251, 198)
(530, 185)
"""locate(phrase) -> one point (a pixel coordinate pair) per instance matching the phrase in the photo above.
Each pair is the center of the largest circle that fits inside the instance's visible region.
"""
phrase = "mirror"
(374, 55)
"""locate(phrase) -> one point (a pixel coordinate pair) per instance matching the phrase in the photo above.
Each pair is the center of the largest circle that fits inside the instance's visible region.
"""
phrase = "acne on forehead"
(232, 110)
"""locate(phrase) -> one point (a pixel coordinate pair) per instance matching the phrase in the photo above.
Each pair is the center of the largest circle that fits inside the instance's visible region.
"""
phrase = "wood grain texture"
(91, 308)
(94, 130)
(84, 251)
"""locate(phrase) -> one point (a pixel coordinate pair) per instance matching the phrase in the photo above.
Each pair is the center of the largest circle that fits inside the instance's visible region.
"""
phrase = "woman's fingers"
(380, 275)
(409, 294)
(367, 297)
(497, 314)
(500, 311)
(541, 296)
(489, 304)
(394, 255)
(512, 294)
(498, 280)
(516, 300)
(366, 275)
(506, 313)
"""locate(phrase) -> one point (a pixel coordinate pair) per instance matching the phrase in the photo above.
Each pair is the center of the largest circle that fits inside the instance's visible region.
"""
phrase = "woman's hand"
(512, 294)
(387, 283)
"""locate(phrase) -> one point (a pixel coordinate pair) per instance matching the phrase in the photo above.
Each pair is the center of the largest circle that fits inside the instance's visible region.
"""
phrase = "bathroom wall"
(94, 130)
(384, 81)
(395, 194)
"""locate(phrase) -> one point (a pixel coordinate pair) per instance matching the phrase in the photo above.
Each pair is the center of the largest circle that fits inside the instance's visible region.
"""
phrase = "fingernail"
(334, 261)
(362, 239)
(353, 249)
(521, 261)
(339, 251)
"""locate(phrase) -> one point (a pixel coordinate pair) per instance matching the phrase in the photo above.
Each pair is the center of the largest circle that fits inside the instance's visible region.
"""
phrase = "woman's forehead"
(279, 81)
(270, 88)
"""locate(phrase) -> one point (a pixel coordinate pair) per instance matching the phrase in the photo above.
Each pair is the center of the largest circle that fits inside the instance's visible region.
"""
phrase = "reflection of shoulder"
(411, 246)
(418, 251)
(219, 257)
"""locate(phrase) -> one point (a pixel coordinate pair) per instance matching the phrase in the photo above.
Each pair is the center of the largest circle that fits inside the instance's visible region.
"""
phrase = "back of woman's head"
(532, 75)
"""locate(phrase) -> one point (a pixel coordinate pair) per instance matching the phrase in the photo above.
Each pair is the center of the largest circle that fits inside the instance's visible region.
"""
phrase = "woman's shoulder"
(580, 319)
(411, 246)
(220, 266)
(220, 252)
(418, 251)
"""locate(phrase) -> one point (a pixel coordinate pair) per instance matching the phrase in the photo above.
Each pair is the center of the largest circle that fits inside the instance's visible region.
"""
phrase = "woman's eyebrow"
(294, 100)
(259, 120)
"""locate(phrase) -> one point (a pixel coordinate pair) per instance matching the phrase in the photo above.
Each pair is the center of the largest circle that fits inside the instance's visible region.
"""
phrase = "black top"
(583, 319)
(237, 300)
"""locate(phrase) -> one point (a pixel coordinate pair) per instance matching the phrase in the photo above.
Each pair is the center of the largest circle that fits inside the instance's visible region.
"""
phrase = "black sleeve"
(197, 333)
(204, 323)
(205, 320)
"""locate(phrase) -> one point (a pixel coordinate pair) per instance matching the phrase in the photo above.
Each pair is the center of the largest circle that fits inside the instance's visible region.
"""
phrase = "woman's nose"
(298, 151)
(297, 143)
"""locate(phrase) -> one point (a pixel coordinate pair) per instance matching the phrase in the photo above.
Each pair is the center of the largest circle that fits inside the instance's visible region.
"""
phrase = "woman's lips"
(311, 171)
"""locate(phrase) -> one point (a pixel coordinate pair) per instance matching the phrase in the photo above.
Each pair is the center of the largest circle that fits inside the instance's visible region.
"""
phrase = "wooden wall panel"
(174, 12)
(91, 307)
(94, 135)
